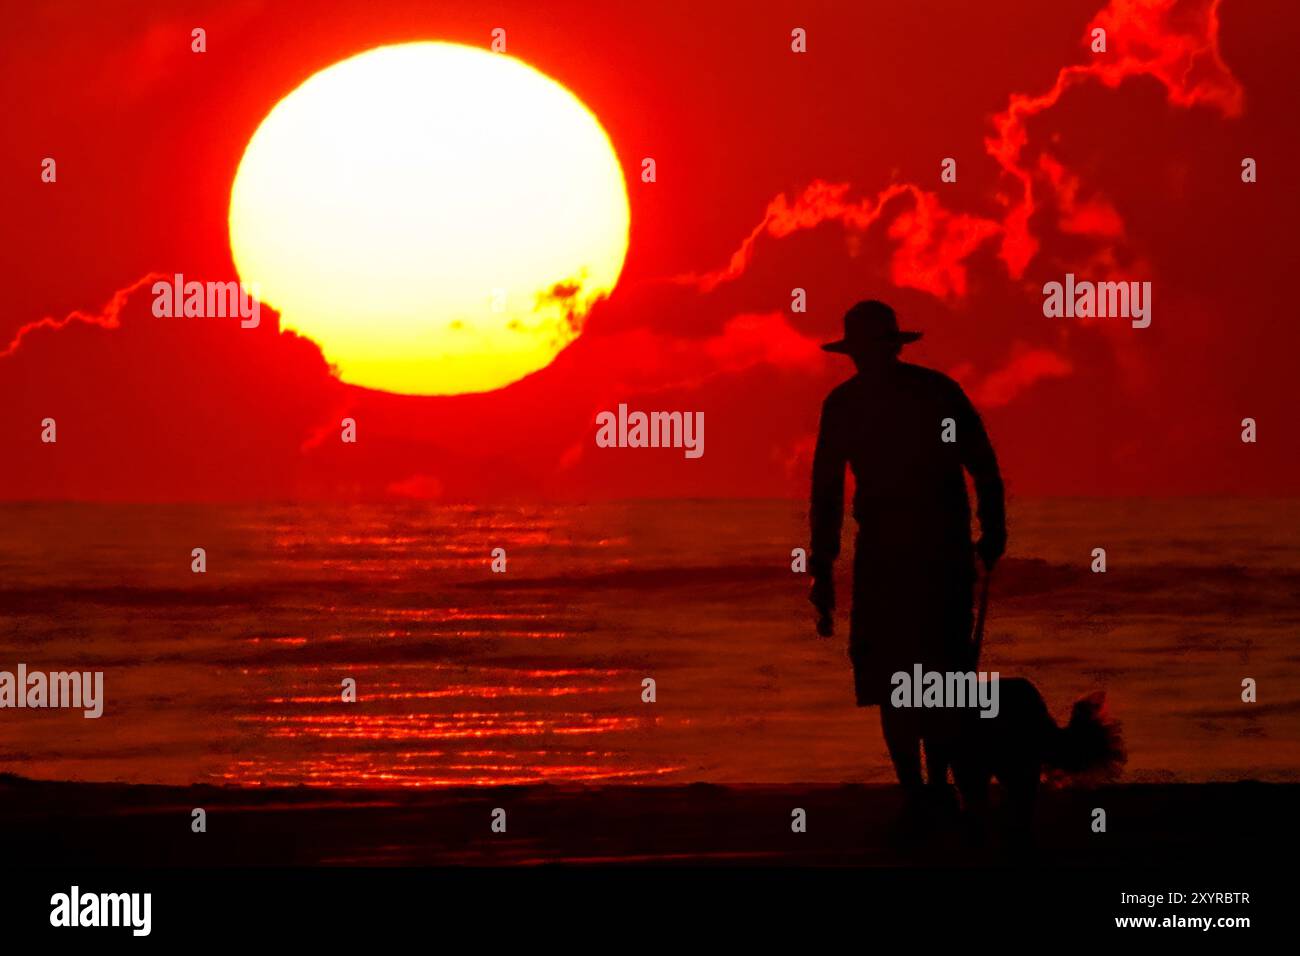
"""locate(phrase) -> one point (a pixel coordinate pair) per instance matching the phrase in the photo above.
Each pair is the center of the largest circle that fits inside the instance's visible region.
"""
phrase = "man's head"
(871, 335)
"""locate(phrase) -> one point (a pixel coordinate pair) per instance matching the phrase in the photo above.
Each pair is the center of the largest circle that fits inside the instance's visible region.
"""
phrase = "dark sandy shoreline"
(58, 824)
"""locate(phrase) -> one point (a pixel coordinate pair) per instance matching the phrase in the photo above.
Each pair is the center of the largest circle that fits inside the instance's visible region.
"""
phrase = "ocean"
(465, 676)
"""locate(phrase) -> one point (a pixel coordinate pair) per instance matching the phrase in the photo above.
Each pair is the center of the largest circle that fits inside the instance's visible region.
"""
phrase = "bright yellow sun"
(437, 218)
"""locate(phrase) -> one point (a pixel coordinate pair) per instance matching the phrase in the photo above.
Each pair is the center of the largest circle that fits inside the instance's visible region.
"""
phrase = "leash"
(981, 613)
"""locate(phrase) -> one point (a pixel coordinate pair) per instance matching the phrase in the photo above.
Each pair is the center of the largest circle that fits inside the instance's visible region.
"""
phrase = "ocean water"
(465, 676)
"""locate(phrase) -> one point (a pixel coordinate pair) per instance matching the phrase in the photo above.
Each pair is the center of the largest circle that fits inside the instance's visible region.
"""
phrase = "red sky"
(775, 171)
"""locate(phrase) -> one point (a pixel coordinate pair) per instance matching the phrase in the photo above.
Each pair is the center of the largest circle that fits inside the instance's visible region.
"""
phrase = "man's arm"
(827, 514)
(978, 458)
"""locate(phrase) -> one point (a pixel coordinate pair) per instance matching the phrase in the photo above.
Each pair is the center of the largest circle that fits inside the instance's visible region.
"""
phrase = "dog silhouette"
(1022, 742)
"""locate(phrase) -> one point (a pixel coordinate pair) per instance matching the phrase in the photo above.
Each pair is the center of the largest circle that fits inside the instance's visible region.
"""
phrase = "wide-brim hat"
(868, 325)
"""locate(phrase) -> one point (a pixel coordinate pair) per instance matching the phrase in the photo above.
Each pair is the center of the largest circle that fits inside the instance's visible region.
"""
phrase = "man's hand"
(990, 549)
(822, 597)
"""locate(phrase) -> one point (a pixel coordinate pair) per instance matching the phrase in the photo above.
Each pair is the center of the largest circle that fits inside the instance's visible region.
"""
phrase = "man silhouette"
(907, 432)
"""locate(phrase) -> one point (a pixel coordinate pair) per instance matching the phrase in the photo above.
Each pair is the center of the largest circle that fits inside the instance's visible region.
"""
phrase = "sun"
(437, 218)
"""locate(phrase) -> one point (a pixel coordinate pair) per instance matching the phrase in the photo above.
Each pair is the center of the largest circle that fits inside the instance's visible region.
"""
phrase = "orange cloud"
(1172, 42)
(1025, 367)
(108, 318)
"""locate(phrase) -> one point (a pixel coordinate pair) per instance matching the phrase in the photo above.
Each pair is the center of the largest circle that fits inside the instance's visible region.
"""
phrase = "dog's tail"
(1090, 743)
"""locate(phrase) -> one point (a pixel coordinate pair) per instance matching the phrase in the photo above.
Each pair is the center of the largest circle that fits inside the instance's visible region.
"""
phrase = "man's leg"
(939, 734)
(902, 732)
(903, 738)
(937, 760)
(951, 652)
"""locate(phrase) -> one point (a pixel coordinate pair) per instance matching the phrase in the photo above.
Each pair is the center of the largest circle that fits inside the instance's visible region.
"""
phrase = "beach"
(56, 824)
